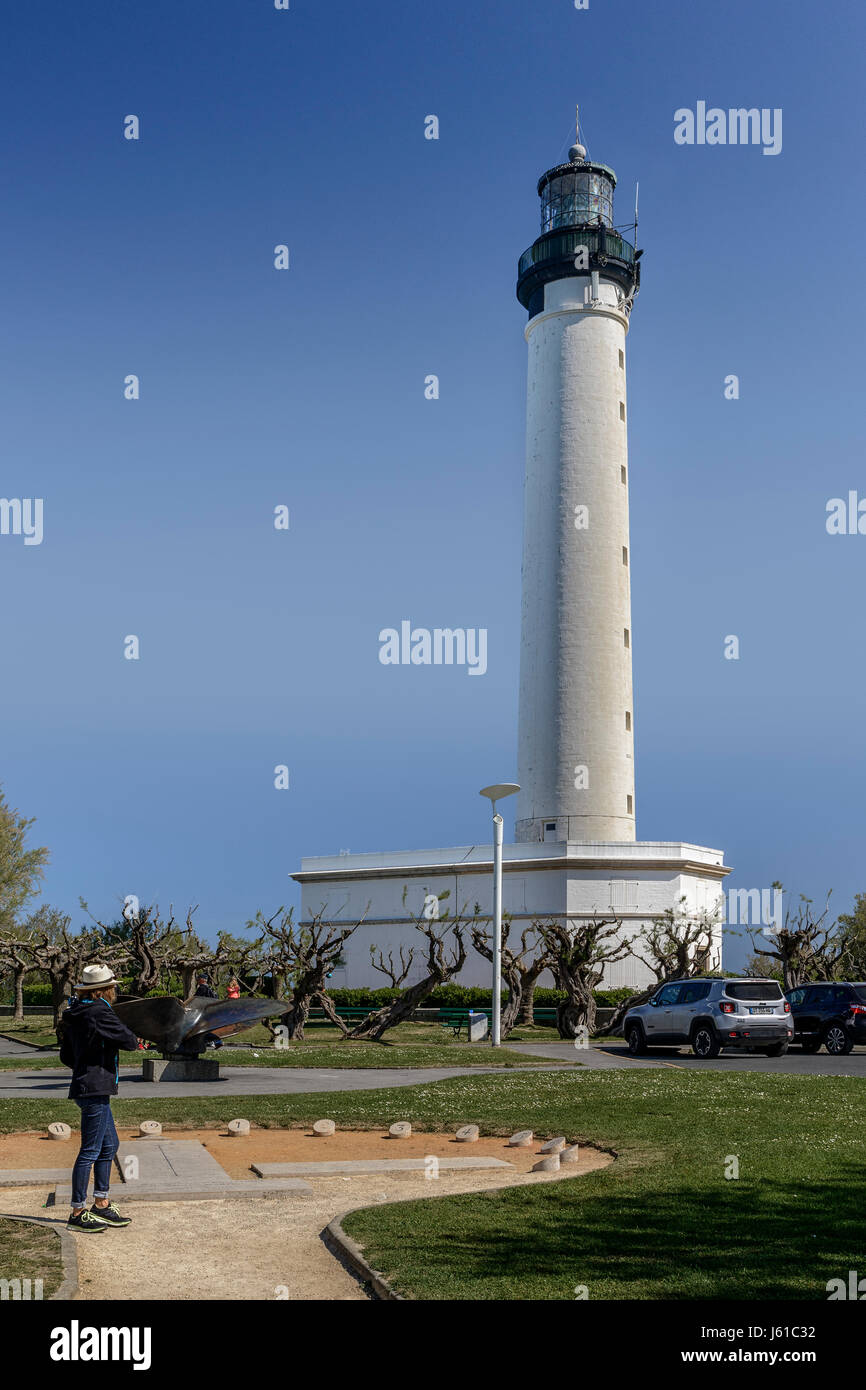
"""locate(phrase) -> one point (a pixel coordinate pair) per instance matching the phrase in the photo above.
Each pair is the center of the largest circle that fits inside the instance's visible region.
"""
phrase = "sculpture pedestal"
(175, 1068)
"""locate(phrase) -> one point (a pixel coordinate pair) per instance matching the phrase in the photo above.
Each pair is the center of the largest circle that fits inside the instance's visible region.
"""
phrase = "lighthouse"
(575, 855)
(578, 283)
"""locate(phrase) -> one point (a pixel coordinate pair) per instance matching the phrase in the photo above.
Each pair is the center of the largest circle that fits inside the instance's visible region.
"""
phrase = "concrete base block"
(176, 1068)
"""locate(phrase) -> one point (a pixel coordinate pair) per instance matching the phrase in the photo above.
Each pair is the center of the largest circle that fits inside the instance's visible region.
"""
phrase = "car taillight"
(857, 1009)
(787, 1007)
(727, 1008)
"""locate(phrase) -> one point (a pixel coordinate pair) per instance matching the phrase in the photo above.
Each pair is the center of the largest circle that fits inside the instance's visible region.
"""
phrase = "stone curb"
(68, 1289)
(348, 1252)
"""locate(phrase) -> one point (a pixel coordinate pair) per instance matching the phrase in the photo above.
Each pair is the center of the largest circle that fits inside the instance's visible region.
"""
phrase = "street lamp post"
(494, 794)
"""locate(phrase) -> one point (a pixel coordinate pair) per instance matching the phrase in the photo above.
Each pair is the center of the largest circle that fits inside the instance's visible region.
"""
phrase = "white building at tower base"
(570, 882)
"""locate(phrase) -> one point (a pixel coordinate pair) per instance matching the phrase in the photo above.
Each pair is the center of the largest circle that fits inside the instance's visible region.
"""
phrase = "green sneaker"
(85, 1222)
(109, 1216)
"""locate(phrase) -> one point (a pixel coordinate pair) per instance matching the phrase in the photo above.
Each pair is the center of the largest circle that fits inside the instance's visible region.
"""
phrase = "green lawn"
(34, 1028)
(662, 1222)
(409, 1045)
(30, 1252)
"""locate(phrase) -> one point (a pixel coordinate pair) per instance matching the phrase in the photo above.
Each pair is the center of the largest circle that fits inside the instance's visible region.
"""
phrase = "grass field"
(30, 1252)
(35, 1028)
(663, 1222)
(409, 1045)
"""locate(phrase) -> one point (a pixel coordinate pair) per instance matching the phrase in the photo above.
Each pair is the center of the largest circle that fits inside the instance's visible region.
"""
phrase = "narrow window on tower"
(621, 358)
(628, 805)
(622, 410)
(625, 640)
(622, 473)
(625, 554)
(628, 721)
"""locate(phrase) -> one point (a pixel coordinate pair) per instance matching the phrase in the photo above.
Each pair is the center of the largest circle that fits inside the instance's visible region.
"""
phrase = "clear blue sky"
(260, 647)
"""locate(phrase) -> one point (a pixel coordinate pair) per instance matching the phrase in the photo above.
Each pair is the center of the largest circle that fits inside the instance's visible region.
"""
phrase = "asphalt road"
(616, 1054)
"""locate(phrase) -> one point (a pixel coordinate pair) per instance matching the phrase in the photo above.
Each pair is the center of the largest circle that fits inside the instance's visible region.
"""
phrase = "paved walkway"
(263, 1081)
(10, 1047)
(245, 1081)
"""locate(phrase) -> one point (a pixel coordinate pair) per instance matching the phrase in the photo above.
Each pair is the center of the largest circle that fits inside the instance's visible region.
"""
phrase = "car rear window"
(754, 989)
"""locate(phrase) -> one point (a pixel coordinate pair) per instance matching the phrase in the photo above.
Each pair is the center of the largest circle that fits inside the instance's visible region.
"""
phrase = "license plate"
(760, 1011)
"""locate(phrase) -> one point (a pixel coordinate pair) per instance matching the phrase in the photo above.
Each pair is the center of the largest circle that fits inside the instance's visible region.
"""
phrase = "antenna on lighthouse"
(577, 153)
(636, 191)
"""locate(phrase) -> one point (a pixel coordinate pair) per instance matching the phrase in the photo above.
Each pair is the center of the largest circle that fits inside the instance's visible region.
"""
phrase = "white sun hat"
(96, 977)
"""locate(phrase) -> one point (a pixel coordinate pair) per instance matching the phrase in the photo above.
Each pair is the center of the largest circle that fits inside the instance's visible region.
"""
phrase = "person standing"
(92, 1034)
(234, 989)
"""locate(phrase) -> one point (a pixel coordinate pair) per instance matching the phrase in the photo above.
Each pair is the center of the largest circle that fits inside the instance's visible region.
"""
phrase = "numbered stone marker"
(467, 1134)
(554, 1146)
(401, 1130)
(570, 1155)
(150, 1127)
(238, 1128)
(521, 1140)
(324, 1127)
(58, 1130)
(547, 1165)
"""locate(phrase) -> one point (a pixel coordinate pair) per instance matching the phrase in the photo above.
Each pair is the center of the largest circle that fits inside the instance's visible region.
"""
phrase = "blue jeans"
(99, 1144)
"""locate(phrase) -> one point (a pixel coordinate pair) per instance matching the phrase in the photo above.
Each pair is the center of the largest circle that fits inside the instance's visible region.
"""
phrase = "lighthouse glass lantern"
(576, 194)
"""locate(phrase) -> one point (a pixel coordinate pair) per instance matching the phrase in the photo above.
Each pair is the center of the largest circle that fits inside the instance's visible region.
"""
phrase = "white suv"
(751, 1015)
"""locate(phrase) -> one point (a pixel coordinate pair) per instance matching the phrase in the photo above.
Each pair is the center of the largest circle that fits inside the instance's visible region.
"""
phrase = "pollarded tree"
(14, 966)
(444, 953)
(302, 955)
(520, 970)
(805, 946)
(48, 944)
(146, 940)
(579, 953)
(188, 956)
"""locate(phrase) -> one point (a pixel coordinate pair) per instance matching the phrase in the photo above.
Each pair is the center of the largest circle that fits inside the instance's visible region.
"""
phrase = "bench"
(457, 1020)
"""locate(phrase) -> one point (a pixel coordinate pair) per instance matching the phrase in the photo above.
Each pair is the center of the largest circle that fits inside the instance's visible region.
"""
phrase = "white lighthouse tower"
(575, 736)
(575, 854)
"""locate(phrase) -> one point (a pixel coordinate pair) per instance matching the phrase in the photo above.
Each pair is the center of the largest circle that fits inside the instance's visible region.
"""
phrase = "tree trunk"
(330, 1011)
(528, 987)
(576, 1012)
(510, 1015)
(297, 1016)
(375, 1024)
(18, 974)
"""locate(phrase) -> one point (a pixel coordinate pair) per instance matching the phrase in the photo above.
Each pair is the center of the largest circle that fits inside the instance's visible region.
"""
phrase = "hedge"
(447, 996)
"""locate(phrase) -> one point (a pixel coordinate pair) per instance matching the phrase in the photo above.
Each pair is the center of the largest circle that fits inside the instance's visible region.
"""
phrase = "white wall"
(575, 669)
(637, 893)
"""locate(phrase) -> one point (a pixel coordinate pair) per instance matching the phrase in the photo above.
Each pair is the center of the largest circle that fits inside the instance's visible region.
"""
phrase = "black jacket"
(91, 1036)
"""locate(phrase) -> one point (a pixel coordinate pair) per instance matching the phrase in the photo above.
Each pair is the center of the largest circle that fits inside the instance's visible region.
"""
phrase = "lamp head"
(500, 789)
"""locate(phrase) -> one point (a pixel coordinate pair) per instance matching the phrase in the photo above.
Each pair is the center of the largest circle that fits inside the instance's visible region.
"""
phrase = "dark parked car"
(832, 1014)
